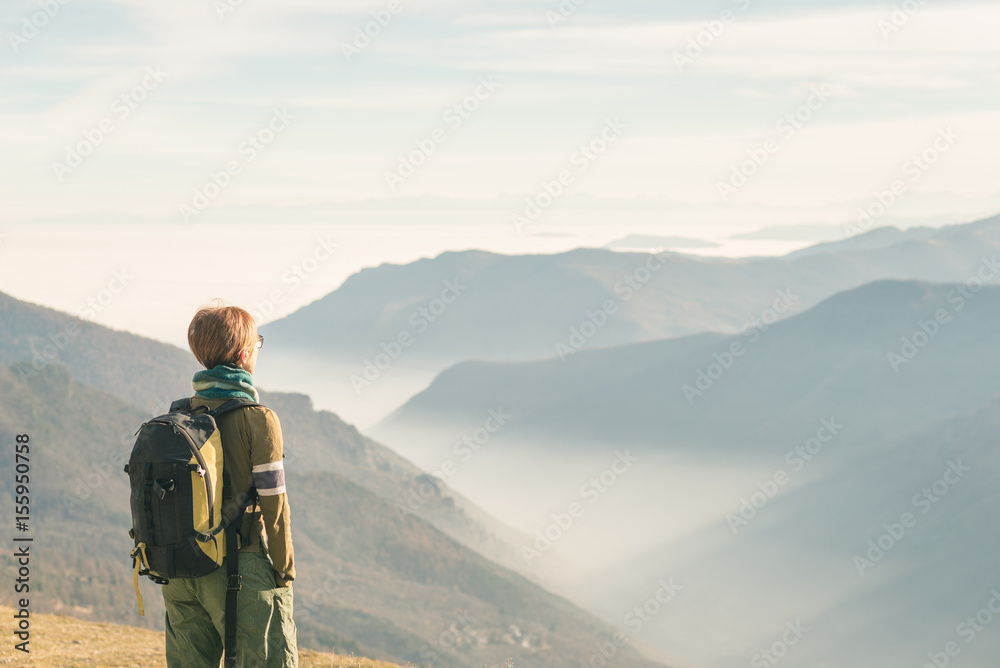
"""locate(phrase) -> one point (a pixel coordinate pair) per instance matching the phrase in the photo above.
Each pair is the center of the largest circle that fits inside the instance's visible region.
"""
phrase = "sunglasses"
(260, 341)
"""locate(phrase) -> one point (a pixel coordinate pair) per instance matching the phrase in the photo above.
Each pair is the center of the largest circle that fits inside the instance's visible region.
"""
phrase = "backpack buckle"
(234, 582)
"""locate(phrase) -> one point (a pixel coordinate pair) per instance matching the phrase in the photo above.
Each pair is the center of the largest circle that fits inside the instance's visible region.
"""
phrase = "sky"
(521, 126)
(225, 68)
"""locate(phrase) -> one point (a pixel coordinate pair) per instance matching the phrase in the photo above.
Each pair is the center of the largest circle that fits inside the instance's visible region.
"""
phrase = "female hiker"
(224, 339)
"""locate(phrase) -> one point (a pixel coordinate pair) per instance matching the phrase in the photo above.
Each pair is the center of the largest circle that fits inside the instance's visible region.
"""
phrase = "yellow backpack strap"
(140, 560)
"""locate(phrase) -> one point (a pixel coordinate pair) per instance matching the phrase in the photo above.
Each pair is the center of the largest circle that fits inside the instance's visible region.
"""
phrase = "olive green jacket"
(251, 439)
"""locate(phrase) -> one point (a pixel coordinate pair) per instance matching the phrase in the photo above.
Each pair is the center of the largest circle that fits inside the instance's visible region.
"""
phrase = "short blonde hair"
(218, 334)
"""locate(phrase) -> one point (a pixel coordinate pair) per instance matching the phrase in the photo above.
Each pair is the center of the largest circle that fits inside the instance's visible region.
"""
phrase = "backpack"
(178, 486)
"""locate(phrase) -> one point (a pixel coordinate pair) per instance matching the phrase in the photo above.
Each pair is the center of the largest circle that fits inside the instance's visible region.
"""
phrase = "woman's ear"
(244, 356)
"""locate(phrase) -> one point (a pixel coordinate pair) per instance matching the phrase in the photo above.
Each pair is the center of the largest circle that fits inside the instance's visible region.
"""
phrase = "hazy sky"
(341, 113)
(612, 117)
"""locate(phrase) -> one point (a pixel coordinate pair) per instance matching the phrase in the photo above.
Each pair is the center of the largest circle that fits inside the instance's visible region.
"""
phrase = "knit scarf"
(224, 382)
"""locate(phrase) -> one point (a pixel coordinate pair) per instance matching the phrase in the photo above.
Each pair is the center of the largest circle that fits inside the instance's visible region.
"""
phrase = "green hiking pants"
(196, 619)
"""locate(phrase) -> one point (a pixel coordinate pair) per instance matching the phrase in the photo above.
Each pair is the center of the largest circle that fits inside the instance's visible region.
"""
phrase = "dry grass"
(66, 642)
(311, 659)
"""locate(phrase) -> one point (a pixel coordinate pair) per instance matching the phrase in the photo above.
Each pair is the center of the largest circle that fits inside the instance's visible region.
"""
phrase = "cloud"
(356, 118)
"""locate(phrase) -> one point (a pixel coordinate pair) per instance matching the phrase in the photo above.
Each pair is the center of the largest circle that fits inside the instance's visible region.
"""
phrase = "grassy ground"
(65, 642)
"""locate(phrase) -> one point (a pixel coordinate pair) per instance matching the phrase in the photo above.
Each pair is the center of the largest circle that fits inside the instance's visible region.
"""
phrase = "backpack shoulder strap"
(232, 405)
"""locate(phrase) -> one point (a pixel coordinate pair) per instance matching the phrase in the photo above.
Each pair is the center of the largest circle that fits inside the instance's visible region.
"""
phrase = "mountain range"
(387, 331)
(377, 576)
(859, 351)
(772, 464)
(474, 304)
(719, 456)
